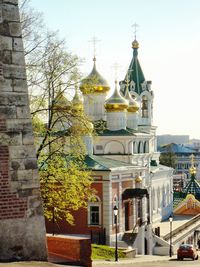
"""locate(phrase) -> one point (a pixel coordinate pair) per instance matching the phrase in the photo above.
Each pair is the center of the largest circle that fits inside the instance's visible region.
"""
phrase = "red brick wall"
(11, 206)
(80, 220)
(78, 250)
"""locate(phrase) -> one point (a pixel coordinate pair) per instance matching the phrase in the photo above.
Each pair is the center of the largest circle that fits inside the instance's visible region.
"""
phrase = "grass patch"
(100, 252)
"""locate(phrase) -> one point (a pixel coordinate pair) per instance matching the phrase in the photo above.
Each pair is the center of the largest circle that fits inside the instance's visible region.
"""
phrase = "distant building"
(179, 181)
(168, 139)
(183, 154)
(195, 143)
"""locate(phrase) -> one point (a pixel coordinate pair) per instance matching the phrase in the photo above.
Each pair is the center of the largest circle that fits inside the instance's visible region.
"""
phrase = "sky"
(169, 53)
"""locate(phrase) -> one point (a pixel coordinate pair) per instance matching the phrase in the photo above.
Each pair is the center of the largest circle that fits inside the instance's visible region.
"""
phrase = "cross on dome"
(135, 26)
(94, 41)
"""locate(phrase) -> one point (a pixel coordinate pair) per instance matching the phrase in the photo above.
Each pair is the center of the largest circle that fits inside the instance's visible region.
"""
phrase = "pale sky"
(169, 53)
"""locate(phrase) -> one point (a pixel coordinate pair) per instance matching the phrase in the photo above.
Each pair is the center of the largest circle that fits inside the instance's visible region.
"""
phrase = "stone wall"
(22, 228)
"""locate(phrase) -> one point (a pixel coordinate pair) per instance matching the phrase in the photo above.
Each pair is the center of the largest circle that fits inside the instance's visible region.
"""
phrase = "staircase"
(178, 236)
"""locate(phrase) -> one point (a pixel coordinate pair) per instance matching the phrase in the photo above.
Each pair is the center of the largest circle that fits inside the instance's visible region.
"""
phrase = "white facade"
(130, 137)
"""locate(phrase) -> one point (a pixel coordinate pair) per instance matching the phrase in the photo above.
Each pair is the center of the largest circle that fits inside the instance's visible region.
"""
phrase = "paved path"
(32, 264)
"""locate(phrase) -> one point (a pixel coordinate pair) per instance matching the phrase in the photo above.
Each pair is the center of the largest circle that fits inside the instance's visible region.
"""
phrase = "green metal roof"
(192, 187)
(99, 163)
(122, 132)
(135, 74)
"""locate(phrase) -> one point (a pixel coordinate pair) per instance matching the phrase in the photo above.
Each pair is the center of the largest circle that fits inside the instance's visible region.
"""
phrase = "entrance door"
(127, 214)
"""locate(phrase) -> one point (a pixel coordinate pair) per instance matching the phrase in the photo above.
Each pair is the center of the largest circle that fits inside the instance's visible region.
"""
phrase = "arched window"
(158, 198)
(144, 107)
(140, 147)
(163, 197)
(114, 147)
(135, 148)
(153, 200)
(146, 147)
(94, 212)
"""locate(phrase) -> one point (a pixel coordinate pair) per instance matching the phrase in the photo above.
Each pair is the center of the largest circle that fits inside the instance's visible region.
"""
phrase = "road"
(165, 263)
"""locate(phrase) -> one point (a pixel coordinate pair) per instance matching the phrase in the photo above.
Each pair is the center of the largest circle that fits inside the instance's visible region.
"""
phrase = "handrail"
(182, 227)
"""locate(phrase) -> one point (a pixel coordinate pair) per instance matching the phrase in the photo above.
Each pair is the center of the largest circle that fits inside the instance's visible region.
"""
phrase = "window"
(144, 107)
(94, 212)
(94, 215)
(99, 147)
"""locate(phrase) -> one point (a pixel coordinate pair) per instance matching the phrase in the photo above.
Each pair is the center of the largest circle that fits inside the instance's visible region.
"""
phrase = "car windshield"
(185, 246)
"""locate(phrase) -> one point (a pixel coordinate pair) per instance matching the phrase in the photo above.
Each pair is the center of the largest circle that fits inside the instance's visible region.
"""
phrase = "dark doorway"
(127, 214)
(145, 247)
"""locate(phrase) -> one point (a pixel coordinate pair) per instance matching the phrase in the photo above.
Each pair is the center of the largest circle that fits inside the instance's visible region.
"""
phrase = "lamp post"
(115, 214)
(170, 236)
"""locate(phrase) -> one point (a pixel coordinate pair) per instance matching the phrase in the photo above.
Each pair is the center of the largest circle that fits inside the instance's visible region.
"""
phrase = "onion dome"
(135, 44)
(77, 102)
(116, 102)
(133, 104)
(138, 179)
(94, 82)
(61, 103)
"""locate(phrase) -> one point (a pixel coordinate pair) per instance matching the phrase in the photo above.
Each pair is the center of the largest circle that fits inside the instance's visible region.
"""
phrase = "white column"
(107, 208)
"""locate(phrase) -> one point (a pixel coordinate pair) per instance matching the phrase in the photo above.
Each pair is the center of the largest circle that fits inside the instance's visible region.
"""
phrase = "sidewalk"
(33, 264)
(137, 259)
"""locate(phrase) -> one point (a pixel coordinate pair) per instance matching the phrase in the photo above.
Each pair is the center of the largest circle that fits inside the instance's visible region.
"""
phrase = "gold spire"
(135, 44)
(193, 170)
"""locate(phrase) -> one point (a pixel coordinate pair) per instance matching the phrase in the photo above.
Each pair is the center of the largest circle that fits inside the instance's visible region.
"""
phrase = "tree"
(168, 157)
(52, 73)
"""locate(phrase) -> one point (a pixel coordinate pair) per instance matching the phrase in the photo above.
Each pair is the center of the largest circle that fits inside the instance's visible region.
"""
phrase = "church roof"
(122, 132)
(99, 163)
(135, 72)
(192, 187)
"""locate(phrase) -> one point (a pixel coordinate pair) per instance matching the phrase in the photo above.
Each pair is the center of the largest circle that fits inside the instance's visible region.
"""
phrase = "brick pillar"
(22, 228)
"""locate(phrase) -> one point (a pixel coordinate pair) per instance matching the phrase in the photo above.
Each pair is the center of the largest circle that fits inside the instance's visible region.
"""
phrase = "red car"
(187, 251)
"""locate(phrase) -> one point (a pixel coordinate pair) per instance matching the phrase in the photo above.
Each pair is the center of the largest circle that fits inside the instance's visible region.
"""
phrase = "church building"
(124, 161)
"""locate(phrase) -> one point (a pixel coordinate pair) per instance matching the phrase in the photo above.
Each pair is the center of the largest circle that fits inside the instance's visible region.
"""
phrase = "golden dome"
(133, 104)
(135, 44)
(116, 102)
(77, 102)
(94, 83)
(61, 103)
(138, 179)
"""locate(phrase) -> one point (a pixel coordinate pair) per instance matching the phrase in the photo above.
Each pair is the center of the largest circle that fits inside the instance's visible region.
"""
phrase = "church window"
(144, 107)
(99, 147)
(94, 215)
(132, 86)
(94, 212)
(143, 86)
(146, 147)
(140, 147)
(135, 148)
